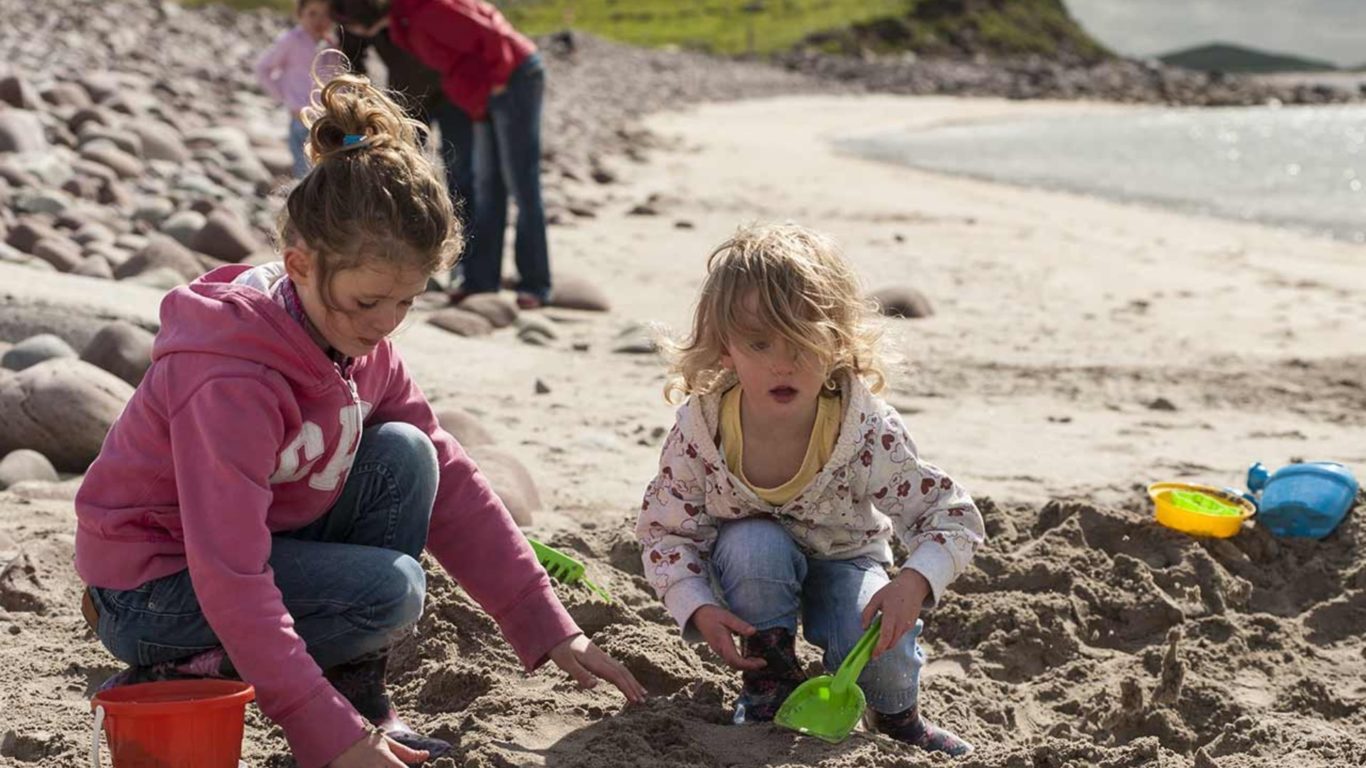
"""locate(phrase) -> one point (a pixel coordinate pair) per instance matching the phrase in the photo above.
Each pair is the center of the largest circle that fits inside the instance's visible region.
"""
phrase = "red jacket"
(468, 42)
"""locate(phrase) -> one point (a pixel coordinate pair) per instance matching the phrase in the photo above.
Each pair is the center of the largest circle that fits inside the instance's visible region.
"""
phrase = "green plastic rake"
(564, 569)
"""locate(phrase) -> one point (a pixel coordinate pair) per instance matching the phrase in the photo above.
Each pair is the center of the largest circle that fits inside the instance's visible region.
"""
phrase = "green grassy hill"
(1235, 58)
(952, 27)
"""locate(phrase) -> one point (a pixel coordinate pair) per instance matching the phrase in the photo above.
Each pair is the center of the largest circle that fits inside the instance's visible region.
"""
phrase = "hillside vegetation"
(932, 27)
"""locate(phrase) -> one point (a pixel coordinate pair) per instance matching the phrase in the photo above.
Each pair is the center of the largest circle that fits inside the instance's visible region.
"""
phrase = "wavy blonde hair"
(375, 199)
(784, 280)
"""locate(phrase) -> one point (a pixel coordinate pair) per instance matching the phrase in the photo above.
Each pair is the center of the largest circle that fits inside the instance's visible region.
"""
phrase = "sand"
(1080, 349)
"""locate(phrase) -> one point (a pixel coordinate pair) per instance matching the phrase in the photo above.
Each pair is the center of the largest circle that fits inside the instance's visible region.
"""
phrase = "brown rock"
(463, 426)
(17, 92)
(67, 95)
(510, 479)
(60, 252)
(162, 252)
(122, 349)
(492, 307)
(902, 301)
(578, 293)
(61, 408)
(461, 322)
(27, 233)
(225, 236)
(122, 163)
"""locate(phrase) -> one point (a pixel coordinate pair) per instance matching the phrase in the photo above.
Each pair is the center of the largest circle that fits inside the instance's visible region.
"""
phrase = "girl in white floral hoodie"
(784, 479)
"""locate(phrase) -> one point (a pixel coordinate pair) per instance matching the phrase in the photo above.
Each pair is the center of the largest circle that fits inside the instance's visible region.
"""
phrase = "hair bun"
(349, 106)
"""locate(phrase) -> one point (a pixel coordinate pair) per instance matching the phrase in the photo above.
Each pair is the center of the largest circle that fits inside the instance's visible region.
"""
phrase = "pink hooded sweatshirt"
(242, 428)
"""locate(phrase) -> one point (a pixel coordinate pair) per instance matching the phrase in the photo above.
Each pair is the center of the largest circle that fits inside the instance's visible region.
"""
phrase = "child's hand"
(378, 751)
(900, 602)
(718, 627)
(585, 662)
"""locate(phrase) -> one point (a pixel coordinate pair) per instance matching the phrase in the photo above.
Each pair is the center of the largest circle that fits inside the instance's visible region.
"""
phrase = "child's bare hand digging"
(785, 479)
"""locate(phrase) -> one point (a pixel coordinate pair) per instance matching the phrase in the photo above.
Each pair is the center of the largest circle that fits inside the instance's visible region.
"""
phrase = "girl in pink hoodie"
(260, 506)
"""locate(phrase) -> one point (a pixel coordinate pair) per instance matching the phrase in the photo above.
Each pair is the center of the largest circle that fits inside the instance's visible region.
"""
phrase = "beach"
(1079, 349)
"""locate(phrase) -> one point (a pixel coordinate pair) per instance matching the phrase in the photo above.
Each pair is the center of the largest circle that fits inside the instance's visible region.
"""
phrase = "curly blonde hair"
(784, 280)
(372, 194)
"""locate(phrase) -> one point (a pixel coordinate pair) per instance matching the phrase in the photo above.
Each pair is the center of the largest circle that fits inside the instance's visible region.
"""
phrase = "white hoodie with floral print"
(874, 485)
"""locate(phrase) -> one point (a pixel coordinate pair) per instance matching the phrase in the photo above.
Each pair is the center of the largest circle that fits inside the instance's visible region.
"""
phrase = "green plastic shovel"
(828, 707)
(563, 568)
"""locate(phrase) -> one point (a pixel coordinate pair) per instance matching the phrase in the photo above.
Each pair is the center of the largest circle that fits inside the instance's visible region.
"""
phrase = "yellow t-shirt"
(824, 433)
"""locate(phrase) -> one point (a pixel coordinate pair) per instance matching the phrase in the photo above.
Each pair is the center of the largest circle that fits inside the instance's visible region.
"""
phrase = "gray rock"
(635, 339)
(463, 426)
(225, 236)
(68, 95)
(122, 349)
(162, 252)
(578, 293)
(94, 265)
(120, 137)
(461, 322)
(60, 252)
(106, 153)
(161, 278)
(277, 159)
(153, 210)
(92, 232)
(183, 226)
(492, 307)
(902, 301)
(21, 131)
(510, 479)
(49, 201)
(160, 141)
(35, 350)
(86, 115)
(25, 465)
(61, 408)
(131, 242)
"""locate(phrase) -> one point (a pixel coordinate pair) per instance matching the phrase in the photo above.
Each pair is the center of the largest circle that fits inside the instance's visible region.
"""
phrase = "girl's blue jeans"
(351, 579)
(298, 139)
(768, 581)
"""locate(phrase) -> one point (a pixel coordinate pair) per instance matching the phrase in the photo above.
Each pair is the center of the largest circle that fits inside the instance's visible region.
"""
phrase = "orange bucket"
(172, 724)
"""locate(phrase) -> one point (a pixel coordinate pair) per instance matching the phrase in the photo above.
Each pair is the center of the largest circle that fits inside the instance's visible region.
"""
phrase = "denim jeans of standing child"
(768, 581)
(507, 160)
(351, 579)
(298, 138)
(457, 153)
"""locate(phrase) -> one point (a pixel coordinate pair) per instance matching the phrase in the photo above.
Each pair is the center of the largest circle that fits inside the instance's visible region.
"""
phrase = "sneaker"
(910, 728)
(529, 301)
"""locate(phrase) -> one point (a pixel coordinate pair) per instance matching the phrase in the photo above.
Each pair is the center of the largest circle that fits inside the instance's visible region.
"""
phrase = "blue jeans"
(507, 159)
(767, 581)
(351, 579)
(457, 152)
(298, 138)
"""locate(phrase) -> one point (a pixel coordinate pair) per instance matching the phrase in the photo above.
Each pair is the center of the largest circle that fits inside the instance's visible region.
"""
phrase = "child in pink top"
(286, 70)
(260, 506)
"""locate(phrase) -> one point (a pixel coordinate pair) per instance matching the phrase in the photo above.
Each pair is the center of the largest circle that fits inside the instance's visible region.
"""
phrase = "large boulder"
(225, 236)
(578, 293)
(122, 349)
(463, 426)
(161, 252)
(510, 479)
(492, 307)
(62, 409)
(35, 350)
(24, 465)
(902, 301)
(460, 322)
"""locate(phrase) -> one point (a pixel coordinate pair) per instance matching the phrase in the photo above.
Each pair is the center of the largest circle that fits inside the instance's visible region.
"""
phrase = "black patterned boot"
(909, 727)
(764, 690)
(362, 682)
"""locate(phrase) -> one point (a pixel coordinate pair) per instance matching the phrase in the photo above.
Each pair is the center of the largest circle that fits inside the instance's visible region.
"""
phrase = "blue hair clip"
(352, 139)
